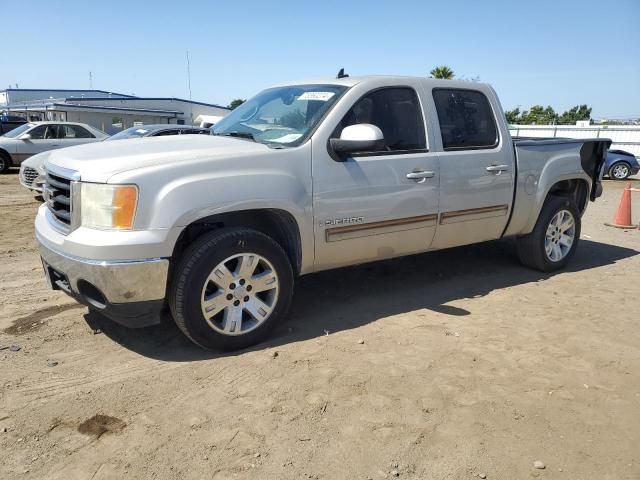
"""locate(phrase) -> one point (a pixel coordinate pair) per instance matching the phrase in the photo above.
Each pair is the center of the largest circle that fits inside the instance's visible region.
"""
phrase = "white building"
(108, 111)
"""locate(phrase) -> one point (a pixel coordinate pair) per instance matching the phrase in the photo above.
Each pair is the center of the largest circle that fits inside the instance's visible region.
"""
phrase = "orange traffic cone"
(622, 219)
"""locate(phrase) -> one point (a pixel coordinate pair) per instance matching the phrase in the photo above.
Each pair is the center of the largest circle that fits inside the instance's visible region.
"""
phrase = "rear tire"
(230, 288)
(5, 162)
(554, 238)
(620, 171)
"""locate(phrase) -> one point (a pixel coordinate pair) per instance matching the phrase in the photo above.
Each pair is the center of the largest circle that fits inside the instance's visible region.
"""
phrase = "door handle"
(497, 168)
(421, 176)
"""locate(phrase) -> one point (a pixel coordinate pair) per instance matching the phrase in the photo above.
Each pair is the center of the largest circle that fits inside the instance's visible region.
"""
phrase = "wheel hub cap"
(560, 235)
(239, 294)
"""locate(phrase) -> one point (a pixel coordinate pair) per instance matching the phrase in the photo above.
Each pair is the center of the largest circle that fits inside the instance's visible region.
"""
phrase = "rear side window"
(466, 119)
(396, 111)
(74, 131)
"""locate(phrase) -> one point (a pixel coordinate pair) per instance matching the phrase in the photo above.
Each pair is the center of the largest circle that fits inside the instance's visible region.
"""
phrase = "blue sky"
(560, 52)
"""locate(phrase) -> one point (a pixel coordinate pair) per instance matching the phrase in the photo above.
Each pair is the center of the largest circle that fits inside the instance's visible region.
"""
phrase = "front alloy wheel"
(239, 294)
(230, 288)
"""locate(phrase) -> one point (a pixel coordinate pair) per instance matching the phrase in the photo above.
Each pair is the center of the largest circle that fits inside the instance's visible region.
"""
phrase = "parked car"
(32, 169)
(9, 122)
(35, 137)
(303, 178)
(32, 172)
(158, 131)
(620, 165)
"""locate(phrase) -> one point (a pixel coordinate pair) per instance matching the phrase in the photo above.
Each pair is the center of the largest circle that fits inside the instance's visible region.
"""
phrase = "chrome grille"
(57, 194)
(29, 175)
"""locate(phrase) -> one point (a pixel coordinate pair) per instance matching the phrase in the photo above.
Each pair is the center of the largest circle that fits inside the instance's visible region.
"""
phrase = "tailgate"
(592, 157)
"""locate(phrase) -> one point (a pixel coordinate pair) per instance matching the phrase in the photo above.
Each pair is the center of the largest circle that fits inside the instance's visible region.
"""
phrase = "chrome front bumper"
(129, 292)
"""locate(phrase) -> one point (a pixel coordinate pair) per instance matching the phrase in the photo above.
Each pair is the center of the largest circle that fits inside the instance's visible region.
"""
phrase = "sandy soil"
(471, 364)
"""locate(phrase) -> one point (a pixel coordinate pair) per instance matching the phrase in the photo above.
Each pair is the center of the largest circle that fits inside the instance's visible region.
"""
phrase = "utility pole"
(90, 81)
(189, 74)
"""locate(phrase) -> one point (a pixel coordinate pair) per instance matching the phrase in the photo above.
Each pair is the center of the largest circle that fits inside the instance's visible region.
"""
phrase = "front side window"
(282, 116)
(44, 132)
(466, 119)
(396, 111)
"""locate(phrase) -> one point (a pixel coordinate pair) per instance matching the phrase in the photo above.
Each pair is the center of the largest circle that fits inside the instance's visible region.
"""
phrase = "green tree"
(236, 103)
(571, 116)
(539, 115)
(443, 72)
(513, 116)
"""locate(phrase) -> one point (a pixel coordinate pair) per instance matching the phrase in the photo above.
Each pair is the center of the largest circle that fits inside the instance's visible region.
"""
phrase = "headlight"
(108, 207)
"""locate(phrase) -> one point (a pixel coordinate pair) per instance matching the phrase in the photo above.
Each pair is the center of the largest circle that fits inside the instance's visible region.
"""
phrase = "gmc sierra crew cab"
(303, 177)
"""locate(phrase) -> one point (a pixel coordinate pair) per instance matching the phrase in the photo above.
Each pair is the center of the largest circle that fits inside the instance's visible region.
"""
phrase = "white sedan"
(36, 137)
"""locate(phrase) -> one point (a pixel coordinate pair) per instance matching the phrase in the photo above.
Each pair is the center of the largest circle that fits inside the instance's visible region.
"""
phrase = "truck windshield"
(280, 116)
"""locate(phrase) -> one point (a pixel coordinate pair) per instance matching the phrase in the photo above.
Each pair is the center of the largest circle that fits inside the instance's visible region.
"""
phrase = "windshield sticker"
(141, 131)
(321, 96)
(292, 137)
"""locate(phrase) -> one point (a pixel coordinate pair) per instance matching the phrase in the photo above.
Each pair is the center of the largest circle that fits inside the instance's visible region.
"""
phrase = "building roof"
(66, 90)
(174, 99)
(130, 109)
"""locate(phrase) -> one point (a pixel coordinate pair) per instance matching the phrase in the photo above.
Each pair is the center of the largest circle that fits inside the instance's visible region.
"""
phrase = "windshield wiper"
(246, 135)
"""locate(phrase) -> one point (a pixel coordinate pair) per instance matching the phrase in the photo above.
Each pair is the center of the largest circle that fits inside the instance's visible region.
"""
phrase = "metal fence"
(623, 137)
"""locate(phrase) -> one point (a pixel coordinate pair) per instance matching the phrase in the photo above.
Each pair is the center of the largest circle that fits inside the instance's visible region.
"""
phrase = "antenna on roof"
(189, 74)
(341, 74)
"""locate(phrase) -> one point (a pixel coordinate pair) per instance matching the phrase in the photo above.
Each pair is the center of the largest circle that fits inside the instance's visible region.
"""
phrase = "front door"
(42, 138)
(476, 169)
(376, 205)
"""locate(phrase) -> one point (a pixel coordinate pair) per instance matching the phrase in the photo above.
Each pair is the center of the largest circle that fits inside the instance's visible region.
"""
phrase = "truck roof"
(351, 81)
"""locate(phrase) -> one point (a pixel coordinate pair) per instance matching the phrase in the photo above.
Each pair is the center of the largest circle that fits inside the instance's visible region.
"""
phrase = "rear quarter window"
(466, 119)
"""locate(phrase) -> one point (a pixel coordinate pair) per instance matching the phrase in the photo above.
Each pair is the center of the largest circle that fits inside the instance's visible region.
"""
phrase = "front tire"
(620, 171)
(554, 238)
(230, 288)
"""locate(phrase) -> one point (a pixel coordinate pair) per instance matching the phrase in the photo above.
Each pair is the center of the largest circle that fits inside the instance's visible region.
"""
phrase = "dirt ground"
(452, 364)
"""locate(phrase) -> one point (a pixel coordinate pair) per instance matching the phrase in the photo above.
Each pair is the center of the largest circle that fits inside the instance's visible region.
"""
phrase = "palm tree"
(443, 72)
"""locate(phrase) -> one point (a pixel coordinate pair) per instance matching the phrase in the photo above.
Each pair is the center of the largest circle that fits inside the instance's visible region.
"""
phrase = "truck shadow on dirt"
(351, 297)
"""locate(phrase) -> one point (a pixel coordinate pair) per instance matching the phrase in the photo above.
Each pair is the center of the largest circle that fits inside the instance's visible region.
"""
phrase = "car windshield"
(16, 132)
(133, 132)
(280, 116)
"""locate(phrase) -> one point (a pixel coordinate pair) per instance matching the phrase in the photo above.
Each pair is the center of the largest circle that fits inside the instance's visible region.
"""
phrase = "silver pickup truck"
(303, 177)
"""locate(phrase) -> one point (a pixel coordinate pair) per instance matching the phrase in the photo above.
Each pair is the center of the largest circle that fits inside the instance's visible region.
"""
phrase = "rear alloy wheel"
(554, 238)
(561, 233)
(620, 171)
(230, 288)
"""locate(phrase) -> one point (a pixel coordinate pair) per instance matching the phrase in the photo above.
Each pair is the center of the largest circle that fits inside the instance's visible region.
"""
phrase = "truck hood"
(97, 162)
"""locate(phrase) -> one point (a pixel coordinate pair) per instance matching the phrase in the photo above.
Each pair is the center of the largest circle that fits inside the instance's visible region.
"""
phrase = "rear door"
(476, 167)
(71, 135)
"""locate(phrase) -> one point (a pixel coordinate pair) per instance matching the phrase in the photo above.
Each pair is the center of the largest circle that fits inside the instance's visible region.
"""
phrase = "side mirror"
(26, 136)
(363, 137)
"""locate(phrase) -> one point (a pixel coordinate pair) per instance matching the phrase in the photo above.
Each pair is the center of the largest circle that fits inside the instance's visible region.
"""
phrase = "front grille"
(29, 175)
(58, 197)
